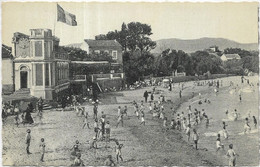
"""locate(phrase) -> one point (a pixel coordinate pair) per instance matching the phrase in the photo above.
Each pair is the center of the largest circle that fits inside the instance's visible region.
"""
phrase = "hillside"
(200, 44)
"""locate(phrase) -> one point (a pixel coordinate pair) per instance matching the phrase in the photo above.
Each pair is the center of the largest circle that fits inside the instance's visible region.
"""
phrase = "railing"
(96, 77)
(79, 78)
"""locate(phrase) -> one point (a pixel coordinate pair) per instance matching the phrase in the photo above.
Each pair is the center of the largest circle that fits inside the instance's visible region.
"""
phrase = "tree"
(133, 36)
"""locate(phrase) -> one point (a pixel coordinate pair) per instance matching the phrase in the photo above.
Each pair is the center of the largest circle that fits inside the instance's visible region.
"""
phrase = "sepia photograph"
(130, 83)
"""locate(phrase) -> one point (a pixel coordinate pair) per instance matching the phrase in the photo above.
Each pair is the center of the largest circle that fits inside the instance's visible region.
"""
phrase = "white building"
(226, 57)
(39, 67)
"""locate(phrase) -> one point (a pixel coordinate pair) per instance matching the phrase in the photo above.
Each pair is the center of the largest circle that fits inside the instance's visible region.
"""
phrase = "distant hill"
(200, 44)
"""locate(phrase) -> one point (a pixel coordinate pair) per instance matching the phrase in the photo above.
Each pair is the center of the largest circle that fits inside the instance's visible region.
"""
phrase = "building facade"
(226, 57)
(39, 67)
(112, 47)
(7, 70)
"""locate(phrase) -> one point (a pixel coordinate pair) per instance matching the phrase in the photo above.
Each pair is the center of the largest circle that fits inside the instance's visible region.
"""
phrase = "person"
(107, 131)
(240, 98)
(150, 108)
(78, 161)
(218, 143)
(255, 121)
(180, 94)
(103, 122)
(119, 111)
(96, 128)
(28, 140)
(125, 110)
(95, 111)
(40, 105)
(235, 115)
(145, 96)
(86, 120)
(109, 161)
(94, 143)
(42, 148)
(164, 121)
(247, 127)
(195, 138)
(120, 119)
(136, 111)
(231, 155)
(226, 112)
(173, 124)
(142, 118)
(118, 151)
(225, 133)
(28, 117)
(178, 127)
(63, 103)
(152, 97)
(188, 132)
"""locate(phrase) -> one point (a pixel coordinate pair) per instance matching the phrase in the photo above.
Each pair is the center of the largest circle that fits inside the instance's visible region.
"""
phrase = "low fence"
(98, 77)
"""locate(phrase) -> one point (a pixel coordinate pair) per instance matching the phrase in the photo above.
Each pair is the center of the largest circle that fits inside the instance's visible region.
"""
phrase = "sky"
(234, 21)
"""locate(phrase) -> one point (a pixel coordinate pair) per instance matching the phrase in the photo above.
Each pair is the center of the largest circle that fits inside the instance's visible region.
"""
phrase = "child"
(28, 140)
(164, 121)
(218, 143)
(109, 161)
(188, 132)
(150, 108)
(107, 130)
(247, 128)
(184, 123)
(178, 127)
(173, 124)
(78, 161)
(255, 121)
(137, 112)
(94, 143)
(96, 128)
(125, 110)
(225, 133)
(86, 121)
(120, 119)
(142, 118)
(119, 111)
(231, 155)
(42, 147)
(195, 138)
(118, 151)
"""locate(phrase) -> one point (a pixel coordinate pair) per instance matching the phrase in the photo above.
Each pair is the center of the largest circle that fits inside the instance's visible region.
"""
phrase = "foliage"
(77, 54)
(241, 52)
(133, 36)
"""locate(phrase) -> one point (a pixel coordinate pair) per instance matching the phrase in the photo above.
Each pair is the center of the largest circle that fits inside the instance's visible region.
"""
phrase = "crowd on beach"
(186, 122)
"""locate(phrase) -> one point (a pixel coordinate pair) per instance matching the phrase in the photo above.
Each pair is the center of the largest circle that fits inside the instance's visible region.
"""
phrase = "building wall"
(7, 72)
(7, 76)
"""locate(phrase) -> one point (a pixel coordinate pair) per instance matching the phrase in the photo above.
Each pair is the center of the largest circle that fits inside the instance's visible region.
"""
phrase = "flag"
(66, 17)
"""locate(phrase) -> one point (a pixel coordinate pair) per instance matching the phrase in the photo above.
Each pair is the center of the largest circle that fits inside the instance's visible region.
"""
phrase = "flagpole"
(55, 18)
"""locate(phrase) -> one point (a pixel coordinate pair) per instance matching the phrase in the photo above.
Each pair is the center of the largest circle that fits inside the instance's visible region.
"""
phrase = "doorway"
(24, 79)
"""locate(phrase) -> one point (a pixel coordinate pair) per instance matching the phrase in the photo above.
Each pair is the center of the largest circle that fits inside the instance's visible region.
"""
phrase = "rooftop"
(102, 43)
(6, 51)
(231, 56)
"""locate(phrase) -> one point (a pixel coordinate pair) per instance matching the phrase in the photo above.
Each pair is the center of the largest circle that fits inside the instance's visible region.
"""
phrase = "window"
(114, 55)
(39, 78)
(47, 77)
(38, 48)
(46, 49)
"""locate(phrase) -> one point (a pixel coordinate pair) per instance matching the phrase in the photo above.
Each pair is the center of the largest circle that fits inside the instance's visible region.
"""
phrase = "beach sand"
(143, 145)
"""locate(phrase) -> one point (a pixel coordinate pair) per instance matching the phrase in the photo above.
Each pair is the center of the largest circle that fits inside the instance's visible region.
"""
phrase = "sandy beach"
(143, 145)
